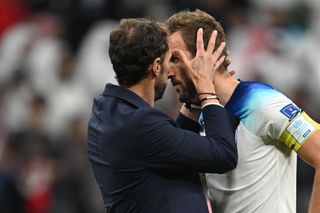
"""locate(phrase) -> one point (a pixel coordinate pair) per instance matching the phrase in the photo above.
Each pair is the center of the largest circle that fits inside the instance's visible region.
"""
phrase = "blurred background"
(54, 60)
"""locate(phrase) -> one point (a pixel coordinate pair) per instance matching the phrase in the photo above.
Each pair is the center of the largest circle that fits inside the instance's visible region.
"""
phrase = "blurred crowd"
(54, 60)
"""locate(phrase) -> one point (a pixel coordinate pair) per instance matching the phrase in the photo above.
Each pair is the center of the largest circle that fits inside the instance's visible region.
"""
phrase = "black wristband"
(206, 93)
(192, 106)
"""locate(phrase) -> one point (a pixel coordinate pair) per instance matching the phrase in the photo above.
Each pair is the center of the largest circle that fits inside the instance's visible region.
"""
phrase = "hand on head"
(202, 67)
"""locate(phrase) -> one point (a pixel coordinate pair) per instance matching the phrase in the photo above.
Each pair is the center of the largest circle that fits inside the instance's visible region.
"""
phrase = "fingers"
(180, 55)
(228, 61)
(212, 42)
(218, 52)
(200, 45)
(219, 62)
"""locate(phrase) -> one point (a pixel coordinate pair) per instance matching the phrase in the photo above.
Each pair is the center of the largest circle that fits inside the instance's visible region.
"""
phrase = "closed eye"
(174, 59)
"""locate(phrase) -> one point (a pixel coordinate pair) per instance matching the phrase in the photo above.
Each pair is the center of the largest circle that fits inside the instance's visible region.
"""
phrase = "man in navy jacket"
(143, 160)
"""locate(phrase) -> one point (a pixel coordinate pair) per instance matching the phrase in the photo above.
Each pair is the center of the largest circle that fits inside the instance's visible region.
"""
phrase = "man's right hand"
(202, 67)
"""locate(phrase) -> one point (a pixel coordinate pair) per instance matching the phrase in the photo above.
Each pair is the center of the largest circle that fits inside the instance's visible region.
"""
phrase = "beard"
(188, 94)
(159, 90)
(161, 84)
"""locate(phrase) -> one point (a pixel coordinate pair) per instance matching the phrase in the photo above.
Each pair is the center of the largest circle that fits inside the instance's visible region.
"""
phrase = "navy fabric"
(146, 162)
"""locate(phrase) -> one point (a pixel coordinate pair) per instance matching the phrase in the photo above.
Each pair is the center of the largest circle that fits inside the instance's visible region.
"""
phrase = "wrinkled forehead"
(176, 42)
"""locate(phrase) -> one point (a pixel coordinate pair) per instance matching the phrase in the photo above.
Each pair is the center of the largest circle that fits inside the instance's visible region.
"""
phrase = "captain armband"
(298, 131)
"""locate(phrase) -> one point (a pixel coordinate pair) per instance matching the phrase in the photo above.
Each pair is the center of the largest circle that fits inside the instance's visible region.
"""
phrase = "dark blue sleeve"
(223, 132)
(164, 145)
(187, 123)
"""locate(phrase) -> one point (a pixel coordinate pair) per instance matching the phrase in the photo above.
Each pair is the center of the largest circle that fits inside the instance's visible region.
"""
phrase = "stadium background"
(53, 61)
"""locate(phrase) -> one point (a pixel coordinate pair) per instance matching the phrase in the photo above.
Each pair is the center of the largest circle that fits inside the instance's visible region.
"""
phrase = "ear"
(156, 67)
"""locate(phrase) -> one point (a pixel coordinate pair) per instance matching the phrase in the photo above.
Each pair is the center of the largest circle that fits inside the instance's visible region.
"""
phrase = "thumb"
(180, 55)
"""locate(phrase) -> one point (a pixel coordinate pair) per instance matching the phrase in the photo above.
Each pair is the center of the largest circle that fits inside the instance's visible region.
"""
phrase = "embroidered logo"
(290, 111)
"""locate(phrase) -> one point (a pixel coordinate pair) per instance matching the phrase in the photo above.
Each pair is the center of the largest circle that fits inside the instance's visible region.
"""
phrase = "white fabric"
(265, 178)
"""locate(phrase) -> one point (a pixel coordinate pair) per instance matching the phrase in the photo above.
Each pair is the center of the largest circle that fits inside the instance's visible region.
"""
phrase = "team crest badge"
(290, 111)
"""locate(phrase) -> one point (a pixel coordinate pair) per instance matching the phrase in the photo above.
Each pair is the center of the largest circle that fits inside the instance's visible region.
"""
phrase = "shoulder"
(265, 110)
(272, 104)
(260, 94)
(255, 97)
(267, 102)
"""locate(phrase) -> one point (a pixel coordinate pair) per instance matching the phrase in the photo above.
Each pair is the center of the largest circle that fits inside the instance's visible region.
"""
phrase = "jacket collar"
(124, 94)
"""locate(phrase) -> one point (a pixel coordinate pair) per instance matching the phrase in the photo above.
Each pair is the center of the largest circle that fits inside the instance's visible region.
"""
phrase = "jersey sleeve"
(298, 131)
(164, 145)
(279, 118)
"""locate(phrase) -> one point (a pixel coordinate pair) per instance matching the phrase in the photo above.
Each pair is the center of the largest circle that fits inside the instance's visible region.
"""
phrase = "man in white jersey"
(272, 131)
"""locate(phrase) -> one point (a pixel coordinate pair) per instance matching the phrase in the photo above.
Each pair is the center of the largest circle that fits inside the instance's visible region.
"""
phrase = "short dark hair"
(188, 23)
(134, 45)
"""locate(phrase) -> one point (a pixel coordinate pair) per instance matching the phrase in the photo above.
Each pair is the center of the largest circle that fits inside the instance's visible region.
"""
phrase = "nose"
(171, 72)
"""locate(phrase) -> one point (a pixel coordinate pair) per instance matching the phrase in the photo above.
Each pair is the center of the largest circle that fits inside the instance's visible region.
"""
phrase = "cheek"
(179, 71)
(184, 76)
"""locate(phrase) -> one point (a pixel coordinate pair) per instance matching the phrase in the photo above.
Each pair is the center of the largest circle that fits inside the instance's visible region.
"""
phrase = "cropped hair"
(134, 45)
(188, 23)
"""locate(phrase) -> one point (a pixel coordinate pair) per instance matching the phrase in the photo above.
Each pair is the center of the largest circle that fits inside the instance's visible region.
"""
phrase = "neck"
(145, 89)
(224, 86)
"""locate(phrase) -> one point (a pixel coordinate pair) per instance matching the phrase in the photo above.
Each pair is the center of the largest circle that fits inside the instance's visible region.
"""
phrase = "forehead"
(176, 41)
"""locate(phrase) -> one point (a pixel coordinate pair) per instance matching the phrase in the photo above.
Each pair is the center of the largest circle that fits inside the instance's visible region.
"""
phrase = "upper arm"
(298, 131)
(278, 118)
(310, 150)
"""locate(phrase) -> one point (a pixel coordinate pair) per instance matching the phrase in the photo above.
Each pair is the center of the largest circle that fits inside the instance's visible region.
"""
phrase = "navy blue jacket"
(146, 162)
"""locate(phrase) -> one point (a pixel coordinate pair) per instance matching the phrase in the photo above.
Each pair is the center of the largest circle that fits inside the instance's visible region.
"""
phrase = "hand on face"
(202, 67)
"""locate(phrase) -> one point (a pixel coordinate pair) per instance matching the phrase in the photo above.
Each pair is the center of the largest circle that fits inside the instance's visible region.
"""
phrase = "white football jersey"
(271, 127)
